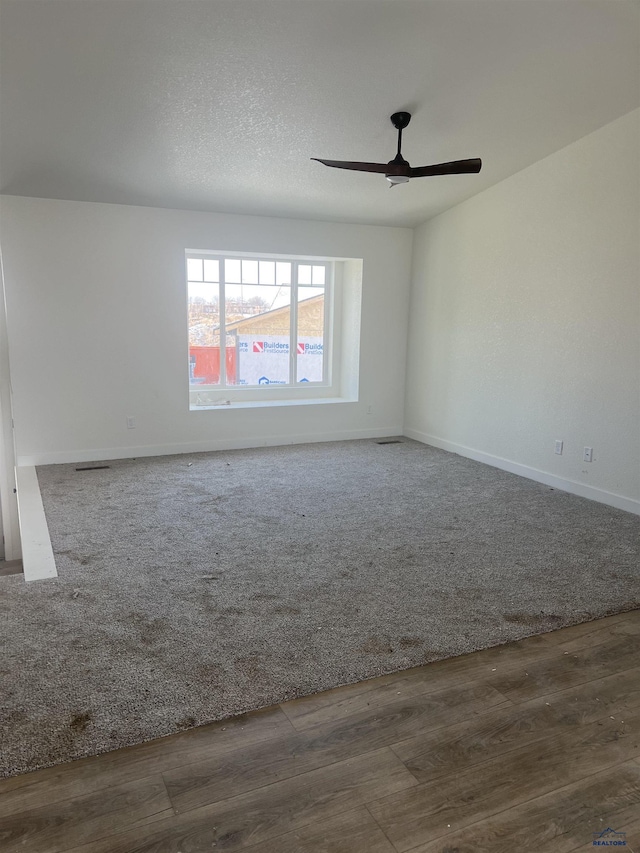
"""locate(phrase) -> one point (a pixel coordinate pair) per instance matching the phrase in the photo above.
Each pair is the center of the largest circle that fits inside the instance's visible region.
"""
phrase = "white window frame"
(221, 395)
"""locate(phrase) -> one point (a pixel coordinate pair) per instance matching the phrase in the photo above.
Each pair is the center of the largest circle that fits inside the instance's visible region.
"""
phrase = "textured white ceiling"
(219, 105)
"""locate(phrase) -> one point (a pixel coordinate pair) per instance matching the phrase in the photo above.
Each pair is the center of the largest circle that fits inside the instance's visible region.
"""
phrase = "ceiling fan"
(398, 171)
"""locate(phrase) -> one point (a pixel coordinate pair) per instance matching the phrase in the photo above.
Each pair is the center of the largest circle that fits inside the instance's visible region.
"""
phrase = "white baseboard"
(571, 486)
(101, 454)
(37, 555)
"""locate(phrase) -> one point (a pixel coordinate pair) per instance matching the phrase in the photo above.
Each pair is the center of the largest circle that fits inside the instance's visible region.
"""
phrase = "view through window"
(257, 322)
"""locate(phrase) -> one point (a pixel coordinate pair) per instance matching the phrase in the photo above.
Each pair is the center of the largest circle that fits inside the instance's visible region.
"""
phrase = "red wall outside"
(207, 365)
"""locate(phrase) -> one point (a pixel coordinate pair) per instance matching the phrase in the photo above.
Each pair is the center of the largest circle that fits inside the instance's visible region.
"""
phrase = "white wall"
(96, 310)
(525, 321)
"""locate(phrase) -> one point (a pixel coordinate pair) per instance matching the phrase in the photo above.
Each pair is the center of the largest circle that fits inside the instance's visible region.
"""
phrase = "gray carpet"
(199, 586)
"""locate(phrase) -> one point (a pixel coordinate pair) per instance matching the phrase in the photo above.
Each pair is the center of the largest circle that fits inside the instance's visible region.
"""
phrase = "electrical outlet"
(559, 446)
(587, 456)
(369, 410)
(131, 422)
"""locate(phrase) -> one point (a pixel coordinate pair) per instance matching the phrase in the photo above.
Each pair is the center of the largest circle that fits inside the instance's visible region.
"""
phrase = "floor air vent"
(92, 467)
(391, 441)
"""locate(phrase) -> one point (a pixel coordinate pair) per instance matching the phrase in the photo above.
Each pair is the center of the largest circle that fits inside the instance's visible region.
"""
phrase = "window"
(258, 323)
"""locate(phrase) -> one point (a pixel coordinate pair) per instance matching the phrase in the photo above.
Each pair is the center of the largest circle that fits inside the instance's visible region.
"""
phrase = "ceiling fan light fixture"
(397, 179)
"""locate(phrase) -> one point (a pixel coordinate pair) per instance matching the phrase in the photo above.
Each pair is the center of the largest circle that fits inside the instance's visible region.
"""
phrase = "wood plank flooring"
(531, 746)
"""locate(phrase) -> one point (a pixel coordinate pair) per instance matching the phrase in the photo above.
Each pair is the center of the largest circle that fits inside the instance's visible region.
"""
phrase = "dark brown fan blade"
(456, 167)
(384, 168)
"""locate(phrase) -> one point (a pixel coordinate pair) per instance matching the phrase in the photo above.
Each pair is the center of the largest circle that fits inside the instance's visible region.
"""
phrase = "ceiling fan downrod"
(399, 121)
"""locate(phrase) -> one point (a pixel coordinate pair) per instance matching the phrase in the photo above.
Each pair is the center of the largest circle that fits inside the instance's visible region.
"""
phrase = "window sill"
(267, 404)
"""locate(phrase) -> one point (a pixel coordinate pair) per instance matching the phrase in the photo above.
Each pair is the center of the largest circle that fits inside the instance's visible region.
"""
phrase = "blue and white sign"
(310, 352)
(264, 359)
